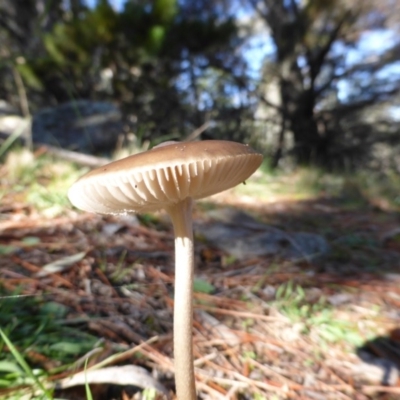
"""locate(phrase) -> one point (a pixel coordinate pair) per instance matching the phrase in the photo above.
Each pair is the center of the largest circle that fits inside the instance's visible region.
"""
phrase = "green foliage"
(41, 181)
(202, 286)
(332, 330)
(155, 39)
(36, 327)
(87, 387)
(291, 300)
(40, 326)
(30, 76)
(316, 317)
(25, 372)
(164, 11)
(380, 186)
(354, 190)
(137, 57)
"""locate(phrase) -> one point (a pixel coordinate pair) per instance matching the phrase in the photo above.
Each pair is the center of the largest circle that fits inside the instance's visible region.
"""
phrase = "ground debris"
(270, 328)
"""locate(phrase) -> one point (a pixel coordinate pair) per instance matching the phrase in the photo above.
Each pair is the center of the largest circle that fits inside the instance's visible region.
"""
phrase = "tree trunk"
(309, 145)
(279, 148)
(308, 148)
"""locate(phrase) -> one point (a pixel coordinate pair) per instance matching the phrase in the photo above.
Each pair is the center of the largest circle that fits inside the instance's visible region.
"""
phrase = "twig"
(384, 389)
(240, 314)
(78, 158)
(198, 131)
(116, 358)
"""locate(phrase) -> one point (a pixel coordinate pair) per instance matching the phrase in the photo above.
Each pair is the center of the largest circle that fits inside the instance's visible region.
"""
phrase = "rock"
(13, 125)
(7, 109)
(372, 371)
(84, 126)
(241, 236)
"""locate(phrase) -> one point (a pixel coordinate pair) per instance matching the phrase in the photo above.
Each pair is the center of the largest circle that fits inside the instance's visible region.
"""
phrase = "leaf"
(50, 42)
(54, 309)
(67, 347)
(60, 265)
(7, 249)
(202, 286)
(7, 366)
(121, 375)
(30, 240)
(87, 387)
(30, 76)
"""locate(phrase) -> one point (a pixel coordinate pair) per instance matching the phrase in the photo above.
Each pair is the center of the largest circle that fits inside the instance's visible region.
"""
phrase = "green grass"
(316, 317)
(41, 181)
(22, 372)
(354, 189)
(37, 342)
(40, 326)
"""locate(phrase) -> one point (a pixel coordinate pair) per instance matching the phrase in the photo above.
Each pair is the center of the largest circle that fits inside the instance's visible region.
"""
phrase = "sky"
(117, 4)
(372, 43)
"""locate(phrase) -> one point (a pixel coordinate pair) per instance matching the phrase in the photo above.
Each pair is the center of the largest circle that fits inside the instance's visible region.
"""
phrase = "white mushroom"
(170, 176)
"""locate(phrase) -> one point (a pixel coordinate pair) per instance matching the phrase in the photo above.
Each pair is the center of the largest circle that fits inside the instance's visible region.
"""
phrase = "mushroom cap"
(163, 176)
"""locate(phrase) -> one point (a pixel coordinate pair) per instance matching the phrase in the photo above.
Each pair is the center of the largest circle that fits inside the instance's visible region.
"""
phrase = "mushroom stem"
(181, 216)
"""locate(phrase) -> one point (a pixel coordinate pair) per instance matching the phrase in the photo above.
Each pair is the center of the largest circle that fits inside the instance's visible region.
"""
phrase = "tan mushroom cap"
(163, 176)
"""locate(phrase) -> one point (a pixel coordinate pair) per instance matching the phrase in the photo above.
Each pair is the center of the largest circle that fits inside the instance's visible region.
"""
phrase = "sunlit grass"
(41, 181)
(317, 318)
(301, 184)
(354, 189)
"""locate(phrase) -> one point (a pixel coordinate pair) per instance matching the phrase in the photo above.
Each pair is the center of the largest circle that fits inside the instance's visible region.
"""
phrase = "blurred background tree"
(311, 82)
(334, 64)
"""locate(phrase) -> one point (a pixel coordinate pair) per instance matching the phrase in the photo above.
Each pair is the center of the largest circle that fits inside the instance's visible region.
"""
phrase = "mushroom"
(170, 176)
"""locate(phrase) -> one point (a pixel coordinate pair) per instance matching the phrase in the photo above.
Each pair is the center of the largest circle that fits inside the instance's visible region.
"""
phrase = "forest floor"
(76, 286)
